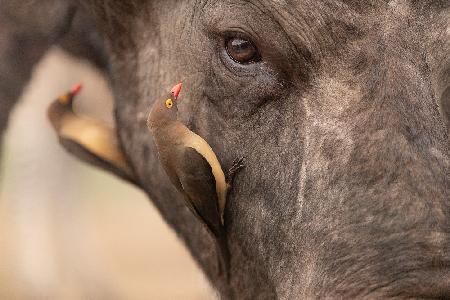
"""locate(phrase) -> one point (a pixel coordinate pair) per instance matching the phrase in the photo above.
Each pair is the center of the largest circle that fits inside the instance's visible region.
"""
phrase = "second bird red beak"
(176, 90)
(76, 89)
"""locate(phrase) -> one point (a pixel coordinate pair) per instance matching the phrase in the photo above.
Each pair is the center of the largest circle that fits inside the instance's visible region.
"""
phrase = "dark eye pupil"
(242, 51)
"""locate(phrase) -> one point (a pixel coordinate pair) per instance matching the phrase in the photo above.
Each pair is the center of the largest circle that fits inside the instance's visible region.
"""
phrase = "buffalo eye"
(242, 50)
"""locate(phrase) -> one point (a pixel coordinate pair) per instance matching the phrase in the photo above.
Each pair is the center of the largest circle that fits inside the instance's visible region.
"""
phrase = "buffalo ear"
(90, 140)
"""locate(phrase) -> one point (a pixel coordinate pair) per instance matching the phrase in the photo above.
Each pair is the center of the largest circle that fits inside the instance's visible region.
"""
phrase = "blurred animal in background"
(340, 108)
(91, 140)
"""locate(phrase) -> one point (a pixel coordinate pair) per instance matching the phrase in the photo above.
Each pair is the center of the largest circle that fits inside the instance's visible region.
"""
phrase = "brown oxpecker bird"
(193, 167)
(90, 140)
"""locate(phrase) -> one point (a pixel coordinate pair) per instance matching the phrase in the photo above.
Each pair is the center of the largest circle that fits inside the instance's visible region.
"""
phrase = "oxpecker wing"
(199, 186)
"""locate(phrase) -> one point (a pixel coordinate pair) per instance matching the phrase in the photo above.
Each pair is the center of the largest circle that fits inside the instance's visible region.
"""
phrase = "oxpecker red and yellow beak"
(76, 89)
(176, 90)
(67, 98)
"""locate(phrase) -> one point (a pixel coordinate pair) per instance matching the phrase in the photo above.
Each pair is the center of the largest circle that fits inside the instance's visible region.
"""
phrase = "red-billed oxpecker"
(88, 139)
(192, 166)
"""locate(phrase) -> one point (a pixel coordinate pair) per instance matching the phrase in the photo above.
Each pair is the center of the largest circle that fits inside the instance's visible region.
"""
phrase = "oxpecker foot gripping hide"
(237, 165)
(193, 168)
(87, 139)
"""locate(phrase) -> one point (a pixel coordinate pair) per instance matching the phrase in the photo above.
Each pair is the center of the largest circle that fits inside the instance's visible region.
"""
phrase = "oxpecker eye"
(64, 99)
(242, 50)
(169, 103)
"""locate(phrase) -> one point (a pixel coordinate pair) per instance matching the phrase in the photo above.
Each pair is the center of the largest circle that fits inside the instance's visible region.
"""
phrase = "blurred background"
(68, 231)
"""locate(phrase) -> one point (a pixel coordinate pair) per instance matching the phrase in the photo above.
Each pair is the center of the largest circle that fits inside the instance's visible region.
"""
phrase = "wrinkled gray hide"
(346, 189)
